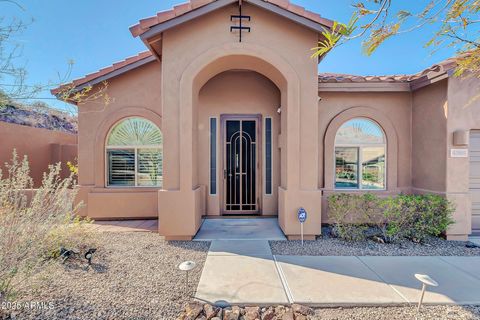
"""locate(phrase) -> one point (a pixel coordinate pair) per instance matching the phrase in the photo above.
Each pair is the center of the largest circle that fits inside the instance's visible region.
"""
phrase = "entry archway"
(247, 57)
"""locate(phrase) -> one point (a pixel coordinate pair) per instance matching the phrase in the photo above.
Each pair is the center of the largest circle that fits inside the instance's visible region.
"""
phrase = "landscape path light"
(426, 281)
(187, 266)
(89, 255)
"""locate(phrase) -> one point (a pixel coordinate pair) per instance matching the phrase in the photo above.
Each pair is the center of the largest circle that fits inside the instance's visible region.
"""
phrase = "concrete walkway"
(245, 272)
(475, 239)
(240, 229)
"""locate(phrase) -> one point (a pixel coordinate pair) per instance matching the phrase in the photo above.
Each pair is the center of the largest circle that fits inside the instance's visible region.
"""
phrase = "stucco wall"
(136, 93)
(278, 49)
(463, 114)
(42, 147)
(240, 92)
(391, 110)
(429, 133)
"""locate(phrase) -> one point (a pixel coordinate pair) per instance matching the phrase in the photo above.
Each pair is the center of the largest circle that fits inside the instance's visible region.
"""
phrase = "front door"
(240, 164)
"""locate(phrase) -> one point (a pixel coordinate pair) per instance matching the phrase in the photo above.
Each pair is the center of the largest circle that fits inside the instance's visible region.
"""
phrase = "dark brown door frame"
(258, 172)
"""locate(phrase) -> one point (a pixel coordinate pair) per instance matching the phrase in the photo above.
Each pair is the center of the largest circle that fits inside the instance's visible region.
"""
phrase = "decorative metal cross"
(240, 17)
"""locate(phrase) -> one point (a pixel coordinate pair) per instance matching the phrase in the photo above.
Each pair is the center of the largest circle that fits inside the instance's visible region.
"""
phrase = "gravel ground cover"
(197, 311)
(330, 246)
(134, 276)
(400, 313)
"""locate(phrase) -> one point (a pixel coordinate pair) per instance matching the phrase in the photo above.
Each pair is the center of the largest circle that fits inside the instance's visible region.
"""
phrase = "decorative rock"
(269, 314)
(182, 316)
(299, 316)
(216, 318)
(306, 311)
(288, 315)
(238, 310)
(192, 310)
(252, 313)
(231, 314)
(279, 311)
(210, 311)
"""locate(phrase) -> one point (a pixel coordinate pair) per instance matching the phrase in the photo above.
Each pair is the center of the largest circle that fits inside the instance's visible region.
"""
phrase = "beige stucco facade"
(200, 71)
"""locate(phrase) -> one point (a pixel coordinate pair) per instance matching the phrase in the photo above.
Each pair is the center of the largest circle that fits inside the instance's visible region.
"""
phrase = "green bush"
(404, 216)
(350, 214)
(417, 216)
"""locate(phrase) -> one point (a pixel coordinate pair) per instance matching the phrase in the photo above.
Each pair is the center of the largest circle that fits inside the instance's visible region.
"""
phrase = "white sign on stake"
(302, 217)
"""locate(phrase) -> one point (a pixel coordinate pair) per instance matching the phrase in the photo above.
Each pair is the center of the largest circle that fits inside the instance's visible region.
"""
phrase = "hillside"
(39, 115)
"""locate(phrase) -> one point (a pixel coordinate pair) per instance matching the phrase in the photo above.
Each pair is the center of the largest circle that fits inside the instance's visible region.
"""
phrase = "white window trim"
(135, 148)
(360, 146)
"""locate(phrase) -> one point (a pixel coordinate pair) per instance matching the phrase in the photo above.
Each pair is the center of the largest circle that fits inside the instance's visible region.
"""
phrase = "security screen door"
(240, 165)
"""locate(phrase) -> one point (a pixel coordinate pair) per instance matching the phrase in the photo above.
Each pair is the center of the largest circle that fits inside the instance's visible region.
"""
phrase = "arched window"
(134, 154)
(360, 151)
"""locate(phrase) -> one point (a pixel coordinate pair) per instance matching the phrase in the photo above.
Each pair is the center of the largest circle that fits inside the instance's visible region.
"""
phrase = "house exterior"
(226, 114)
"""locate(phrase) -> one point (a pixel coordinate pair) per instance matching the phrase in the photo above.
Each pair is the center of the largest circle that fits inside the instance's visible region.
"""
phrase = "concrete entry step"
(240, 229)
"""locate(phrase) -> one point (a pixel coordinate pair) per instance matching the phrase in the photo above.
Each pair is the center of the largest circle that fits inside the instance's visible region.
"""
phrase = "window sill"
(127, 189)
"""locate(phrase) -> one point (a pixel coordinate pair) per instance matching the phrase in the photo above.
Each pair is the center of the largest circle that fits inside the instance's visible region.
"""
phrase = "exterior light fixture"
(187, 266)
(279, 110)
(89, 255)
(66, 253)
(426, 281)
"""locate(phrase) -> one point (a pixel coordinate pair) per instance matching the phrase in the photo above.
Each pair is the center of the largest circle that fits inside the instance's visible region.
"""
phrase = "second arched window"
(360, 155)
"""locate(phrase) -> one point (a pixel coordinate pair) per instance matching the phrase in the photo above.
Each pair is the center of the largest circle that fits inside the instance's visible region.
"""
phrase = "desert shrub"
(347, 212)
(72, 234)
(31, 221)
(403, 216)
(398, 212)
(417, 216)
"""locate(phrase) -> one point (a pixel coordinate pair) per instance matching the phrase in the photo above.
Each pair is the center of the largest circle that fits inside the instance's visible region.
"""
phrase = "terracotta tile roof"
(349, 78)
(322, 77)
(104, 71)
(145, 24)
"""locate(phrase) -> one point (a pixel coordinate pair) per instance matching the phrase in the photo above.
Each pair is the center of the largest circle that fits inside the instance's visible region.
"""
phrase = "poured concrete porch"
(240, 229)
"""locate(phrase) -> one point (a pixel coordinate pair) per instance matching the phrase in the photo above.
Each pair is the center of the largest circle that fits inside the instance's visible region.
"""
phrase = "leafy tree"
(457, 25)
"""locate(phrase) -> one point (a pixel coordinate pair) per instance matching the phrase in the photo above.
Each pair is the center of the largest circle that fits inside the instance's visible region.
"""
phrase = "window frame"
(264, 175)
(135, 148)
(360, 147)
(215, 120)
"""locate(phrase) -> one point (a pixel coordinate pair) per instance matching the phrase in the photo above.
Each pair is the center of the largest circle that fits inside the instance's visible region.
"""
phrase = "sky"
(95, 34)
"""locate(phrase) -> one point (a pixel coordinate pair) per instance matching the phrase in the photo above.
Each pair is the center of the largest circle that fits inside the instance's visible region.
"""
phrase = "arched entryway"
(186, 195)
(233, 196)
(238, 159)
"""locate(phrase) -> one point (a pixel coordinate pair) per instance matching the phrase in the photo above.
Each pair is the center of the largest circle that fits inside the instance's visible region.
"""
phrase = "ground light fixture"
(89, 255)
(426, 280)
(187, 266)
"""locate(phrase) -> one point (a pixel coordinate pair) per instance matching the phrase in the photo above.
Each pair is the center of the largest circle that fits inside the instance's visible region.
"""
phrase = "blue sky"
(95, 34)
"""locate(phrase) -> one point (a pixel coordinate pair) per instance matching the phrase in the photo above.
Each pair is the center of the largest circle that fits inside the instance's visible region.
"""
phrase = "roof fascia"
(159, 28)
(315, 26)
(425, 80)
(363, 87)
(117, 72)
